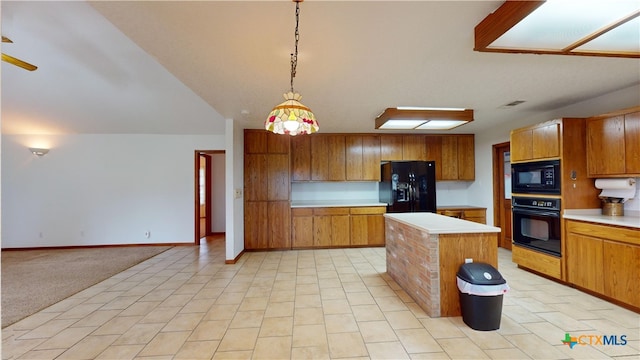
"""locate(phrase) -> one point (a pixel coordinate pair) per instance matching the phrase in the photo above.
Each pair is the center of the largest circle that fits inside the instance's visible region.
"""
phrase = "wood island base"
(425, 262)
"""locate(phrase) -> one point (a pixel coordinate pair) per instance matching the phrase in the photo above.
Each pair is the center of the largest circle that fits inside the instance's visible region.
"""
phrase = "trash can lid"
(480, 274)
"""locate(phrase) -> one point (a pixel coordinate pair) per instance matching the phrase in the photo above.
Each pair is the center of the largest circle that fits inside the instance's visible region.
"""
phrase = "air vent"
(512, 104)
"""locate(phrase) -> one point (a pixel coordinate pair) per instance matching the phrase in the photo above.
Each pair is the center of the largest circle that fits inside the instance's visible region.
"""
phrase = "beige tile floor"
(314, 304)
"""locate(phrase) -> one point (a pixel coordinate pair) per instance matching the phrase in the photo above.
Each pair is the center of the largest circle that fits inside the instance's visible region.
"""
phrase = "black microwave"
(540, 177)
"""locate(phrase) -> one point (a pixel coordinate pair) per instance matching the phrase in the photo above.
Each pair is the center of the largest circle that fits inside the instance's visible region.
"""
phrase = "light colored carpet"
(35, 279)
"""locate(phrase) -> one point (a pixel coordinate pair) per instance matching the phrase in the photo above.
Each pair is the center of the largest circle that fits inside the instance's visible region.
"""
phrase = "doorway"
(209, 206)
(502, 193)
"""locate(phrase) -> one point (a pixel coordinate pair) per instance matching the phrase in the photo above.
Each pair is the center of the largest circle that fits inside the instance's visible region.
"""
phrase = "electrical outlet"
(468, 260)
(147, 234)
(237, 193)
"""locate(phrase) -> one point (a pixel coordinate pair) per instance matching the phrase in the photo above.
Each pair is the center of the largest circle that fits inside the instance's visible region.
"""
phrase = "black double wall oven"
(536, 217)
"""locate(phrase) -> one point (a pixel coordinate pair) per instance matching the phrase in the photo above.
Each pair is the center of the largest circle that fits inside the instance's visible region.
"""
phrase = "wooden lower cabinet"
(537, 261)
(264, 232)
(604, 259)
(474, 214)
(367, 226)
(329, 227)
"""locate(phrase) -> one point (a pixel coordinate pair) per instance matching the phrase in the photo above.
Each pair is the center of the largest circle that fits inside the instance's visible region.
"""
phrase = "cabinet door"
(340, 230)
(546, 141)
(475, 215)
(521, 145)
(321, 230)
(354, 157)
(255, 141)
(328, 158)
(632, 143)
(449, 158)
(433, 145)
(414, 148)
(362, 157)
(622, 268)
(390, 147)
(371, 158)
(584, 261)
(300, 158)
(302, 227)
(255, 177)
(278, 177)
(256, 230)
(605, 146)
(279, 225)
(277, 144)
(466, 158)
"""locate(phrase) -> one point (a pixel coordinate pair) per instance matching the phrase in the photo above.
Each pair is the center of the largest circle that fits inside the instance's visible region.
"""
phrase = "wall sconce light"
(39, 151)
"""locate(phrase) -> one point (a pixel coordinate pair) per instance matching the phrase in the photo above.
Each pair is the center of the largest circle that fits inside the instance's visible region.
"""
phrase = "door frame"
(498, 184)
(208, 183)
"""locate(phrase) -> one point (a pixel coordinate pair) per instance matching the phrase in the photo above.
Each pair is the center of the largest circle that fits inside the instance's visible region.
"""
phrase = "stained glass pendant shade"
(291, 117)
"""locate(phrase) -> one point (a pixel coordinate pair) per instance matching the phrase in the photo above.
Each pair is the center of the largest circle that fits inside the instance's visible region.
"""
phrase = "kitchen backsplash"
(447, 192)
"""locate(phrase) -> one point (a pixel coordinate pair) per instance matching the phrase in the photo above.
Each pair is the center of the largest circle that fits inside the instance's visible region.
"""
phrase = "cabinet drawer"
(474, 213)
(609, 232)
(302, 211)
(331, 211)
(368, 210)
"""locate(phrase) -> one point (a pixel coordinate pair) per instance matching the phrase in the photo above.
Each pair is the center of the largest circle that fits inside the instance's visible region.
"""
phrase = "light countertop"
(335, 203)
(630, 219)
(449, 207)
(440, 224)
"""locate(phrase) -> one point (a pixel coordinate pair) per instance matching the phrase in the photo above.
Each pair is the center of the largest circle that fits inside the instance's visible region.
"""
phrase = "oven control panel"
(537, 203)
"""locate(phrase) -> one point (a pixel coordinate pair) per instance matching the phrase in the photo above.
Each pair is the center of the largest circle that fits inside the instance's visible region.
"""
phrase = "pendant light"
(291, 117)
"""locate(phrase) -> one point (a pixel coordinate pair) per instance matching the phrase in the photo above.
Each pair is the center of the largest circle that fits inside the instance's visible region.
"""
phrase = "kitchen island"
(425, 251)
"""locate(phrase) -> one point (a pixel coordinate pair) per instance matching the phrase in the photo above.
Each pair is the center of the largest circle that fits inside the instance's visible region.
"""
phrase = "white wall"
(99, 189)
(481, 191)
(235, 181)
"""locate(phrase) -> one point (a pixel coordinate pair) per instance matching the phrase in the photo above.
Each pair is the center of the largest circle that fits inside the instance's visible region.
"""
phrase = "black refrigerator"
(408, 186)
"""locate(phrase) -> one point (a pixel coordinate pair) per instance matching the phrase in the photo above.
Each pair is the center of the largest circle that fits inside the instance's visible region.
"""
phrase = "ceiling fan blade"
(6, 40)
(18, 62)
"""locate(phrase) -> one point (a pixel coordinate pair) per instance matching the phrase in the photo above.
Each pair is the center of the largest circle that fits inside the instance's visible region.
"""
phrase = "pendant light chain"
(294, 56)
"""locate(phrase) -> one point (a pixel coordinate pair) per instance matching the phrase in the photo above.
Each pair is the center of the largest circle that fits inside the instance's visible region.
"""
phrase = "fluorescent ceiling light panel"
(441, 124)
(419, 118)
(429, 108)
(401, 124)
(562, 27)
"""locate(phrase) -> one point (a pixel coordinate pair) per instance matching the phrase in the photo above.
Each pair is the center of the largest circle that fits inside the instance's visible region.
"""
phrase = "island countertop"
(439, 224)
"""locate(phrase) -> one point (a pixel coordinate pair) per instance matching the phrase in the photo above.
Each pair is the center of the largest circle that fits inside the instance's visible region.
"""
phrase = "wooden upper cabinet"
(605, 146)
(521, 145)
(328, 158)
(413, 147)
(449, 158)
(255, 176)
(262, 142)
(546, 141)
(536, 142)
(458, 159)
(613, 144)
(632, 142)
(433, 148)
(255, 142)
(277, 144)
(466, 158)
(277, 176)
(301, 158)
(390, 147)
(362, 157)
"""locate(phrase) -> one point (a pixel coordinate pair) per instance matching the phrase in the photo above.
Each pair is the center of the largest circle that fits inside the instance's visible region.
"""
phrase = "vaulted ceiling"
(173, 67)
